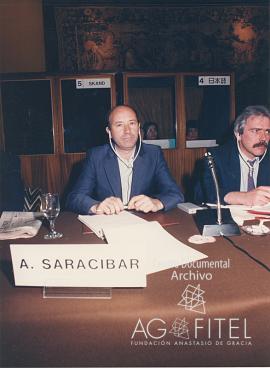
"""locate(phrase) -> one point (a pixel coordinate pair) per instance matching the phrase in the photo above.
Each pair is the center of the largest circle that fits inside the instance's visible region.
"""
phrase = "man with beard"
(125, 174)
(242, 165)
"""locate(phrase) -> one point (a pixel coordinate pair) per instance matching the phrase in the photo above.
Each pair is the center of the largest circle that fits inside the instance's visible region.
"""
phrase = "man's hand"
(256, 197)
(110, 206)
(145, 204)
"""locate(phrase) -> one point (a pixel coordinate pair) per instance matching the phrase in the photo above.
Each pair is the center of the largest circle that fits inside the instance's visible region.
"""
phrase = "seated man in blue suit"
(242, 165)
(125, 173)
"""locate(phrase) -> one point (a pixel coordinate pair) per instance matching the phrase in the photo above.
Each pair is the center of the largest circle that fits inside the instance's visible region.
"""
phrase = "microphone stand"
(211, 166)
(219, 222)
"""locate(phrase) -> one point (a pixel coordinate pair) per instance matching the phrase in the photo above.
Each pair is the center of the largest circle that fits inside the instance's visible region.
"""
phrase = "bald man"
(125, 174)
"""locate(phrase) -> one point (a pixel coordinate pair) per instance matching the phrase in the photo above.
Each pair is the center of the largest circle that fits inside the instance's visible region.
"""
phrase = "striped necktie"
(250, 184)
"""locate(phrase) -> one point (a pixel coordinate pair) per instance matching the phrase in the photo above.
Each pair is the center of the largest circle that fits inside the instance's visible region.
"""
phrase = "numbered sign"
(93, 83)
(214, 80)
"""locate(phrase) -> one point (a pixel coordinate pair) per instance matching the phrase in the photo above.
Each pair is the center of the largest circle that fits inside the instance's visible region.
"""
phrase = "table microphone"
(217, 222)
(211, 165)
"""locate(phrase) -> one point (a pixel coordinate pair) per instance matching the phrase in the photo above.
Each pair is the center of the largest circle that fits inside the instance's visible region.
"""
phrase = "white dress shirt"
(126, 173)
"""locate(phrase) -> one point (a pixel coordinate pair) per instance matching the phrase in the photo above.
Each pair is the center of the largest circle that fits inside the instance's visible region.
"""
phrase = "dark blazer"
(100, 178)
(11, 184)
(228, 171)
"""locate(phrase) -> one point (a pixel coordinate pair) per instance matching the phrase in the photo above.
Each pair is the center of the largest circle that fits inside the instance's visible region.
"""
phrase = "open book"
(14, 225)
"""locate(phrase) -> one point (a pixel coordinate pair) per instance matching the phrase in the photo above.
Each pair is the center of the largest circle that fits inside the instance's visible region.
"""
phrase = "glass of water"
(50, 207)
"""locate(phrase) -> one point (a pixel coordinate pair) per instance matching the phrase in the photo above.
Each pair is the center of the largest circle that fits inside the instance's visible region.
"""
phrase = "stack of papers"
(163, 251)
(14, 225)
(97, 222)
(126, 230)
(241, 213)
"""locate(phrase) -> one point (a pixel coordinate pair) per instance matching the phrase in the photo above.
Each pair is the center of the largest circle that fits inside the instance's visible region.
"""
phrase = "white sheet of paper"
(240, 215)
(163, 251)
(97, 222)
(265, 207)
(240, 212)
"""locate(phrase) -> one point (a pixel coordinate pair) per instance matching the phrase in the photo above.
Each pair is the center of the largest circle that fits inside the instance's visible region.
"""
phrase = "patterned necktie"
(250, 184)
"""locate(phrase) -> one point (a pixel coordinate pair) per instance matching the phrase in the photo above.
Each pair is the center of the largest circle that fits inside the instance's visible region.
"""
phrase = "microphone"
(211, 165)
(213, 222)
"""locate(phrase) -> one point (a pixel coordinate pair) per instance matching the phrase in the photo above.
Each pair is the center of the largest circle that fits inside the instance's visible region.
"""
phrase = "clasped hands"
(259, 196)
(114, 205)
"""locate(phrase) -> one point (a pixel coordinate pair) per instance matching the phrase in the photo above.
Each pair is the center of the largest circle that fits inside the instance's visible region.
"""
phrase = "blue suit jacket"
(228, 171)
(100, 178)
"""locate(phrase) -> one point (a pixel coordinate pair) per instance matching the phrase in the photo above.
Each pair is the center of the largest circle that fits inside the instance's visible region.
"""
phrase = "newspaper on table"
(14, 225)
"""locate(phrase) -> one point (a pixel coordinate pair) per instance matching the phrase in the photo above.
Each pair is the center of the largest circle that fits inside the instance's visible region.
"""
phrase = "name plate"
(93, 83)
(78, 265)
(214, 80)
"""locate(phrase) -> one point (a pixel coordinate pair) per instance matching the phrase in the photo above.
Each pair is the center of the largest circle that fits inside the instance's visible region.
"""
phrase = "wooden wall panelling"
(175, 157)
(56, 172)
(51, 173)
(42, 171)
(70, 163)
(181, 161)
(58, 128)
(113, 90)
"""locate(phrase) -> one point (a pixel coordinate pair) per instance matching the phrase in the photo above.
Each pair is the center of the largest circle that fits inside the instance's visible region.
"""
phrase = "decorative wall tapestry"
(163, 38)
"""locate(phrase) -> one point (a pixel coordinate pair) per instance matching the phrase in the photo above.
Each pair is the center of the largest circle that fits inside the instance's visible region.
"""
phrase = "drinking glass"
(50, 207)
